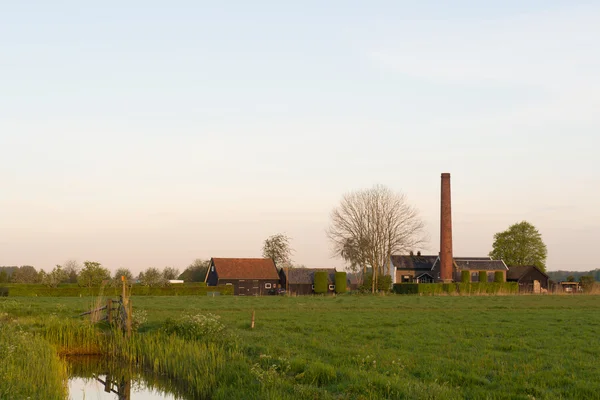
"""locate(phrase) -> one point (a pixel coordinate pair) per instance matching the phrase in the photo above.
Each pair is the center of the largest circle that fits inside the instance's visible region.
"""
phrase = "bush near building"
(475, 288)
(321, 283)
(340, 282)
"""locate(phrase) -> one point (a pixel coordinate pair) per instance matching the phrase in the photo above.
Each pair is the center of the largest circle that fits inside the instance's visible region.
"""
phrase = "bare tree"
(277, 248)
(72, 269)
(370, 225)
(170, 273)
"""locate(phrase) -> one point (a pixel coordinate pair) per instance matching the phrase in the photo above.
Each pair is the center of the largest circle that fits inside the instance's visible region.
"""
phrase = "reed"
(29, 366)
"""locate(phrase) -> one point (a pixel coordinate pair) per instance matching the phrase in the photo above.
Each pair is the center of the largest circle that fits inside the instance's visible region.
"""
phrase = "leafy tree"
(55, 277)
(3, 277)
(196, 271)
(123, 272)
(170, 273)
(520, 244)
(93, 274)
(25, 274)
(277, 248)
(370, 225)
(570, 278)
(152, 277)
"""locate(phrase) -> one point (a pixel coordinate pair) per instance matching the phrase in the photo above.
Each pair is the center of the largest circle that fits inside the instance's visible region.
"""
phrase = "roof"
(516, 272)
(245, 268)
(479, 264)
(306, 275)
(414, 262)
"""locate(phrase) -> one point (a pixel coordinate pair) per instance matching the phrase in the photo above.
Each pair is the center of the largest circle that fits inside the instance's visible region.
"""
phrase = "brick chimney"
(446, 258)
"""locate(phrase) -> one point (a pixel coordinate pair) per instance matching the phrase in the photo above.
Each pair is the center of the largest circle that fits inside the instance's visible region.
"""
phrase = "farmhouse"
(530, 278)
(411, 268)
(300, 281)
(426, 268)
(249, 276)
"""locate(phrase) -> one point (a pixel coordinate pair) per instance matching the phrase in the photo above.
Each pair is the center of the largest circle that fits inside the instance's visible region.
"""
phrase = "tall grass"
(29, 366)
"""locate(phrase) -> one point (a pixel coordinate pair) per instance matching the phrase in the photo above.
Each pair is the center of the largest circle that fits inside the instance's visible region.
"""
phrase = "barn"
(248, 276)
(530, 278)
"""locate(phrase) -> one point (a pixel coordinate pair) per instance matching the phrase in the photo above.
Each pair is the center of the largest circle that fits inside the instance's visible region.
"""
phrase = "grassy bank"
(362, 347)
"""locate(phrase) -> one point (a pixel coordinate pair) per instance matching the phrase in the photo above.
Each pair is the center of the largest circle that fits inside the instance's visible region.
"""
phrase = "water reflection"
(103, 379)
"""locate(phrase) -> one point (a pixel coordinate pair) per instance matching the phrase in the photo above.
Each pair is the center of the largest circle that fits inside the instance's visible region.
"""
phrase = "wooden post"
(109, 306)
(107, 383)
(252, 324)
(129, 309)
(124, 291)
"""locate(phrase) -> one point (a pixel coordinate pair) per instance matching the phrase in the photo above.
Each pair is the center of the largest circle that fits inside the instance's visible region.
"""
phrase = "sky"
(148, 133)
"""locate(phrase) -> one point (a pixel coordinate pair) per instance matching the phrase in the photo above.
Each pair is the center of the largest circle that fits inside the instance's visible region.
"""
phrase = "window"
(229, 283)
(331, 287)
(267, 286)
(313, 287)
(212, 268)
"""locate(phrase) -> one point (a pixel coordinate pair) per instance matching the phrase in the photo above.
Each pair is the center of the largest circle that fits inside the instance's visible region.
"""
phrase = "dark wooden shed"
(300, 281)
(249, 276)
(530, 278)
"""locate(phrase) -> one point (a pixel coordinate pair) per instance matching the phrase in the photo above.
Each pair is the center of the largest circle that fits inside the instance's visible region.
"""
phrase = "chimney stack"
(446, 257)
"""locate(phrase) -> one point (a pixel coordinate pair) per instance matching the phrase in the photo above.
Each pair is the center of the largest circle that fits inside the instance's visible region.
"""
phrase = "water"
(97, 378)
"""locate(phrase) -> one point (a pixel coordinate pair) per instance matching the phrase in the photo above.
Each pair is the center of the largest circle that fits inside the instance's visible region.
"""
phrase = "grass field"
(363, 347)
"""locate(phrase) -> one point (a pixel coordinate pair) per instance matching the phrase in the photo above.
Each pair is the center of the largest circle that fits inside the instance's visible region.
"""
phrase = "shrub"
(3, 291)
(193, 327)
(406, 288)
(340, 282)
(384, 283)
(321, 282)
(465, 276)
(498, 277)
(482, 276)
(474, 288)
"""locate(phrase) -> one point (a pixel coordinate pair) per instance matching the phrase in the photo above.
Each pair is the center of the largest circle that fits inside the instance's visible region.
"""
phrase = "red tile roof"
(245, 268)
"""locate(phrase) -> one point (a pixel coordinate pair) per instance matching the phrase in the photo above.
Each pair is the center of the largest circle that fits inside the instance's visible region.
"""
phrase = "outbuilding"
(248, 276)
(531, 279)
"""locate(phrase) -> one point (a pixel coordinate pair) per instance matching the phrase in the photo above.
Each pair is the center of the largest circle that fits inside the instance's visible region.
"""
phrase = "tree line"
(93, 274)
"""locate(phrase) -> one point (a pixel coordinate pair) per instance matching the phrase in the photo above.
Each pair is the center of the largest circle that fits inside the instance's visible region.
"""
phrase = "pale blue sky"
(151, 133)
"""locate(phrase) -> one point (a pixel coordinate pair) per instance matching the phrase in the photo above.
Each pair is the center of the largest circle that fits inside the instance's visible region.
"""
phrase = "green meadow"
(343, 347)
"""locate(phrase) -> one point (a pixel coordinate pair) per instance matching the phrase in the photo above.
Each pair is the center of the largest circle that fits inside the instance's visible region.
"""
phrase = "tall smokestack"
(446, 258)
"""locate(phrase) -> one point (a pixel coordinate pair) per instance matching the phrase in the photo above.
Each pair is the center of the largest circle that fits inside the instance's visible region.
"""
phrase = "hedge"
(482, 276)
(3, 291)
(457, 288)
(384, 283)
(72, 290)
(465, 276)
(498, 276)
(340, 282)
(321, 282)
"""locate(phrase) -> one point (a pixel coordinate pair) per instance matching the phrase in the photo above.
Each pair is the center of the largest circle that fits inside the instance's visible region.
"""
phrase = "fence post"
(129, 309)
(109, 310)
